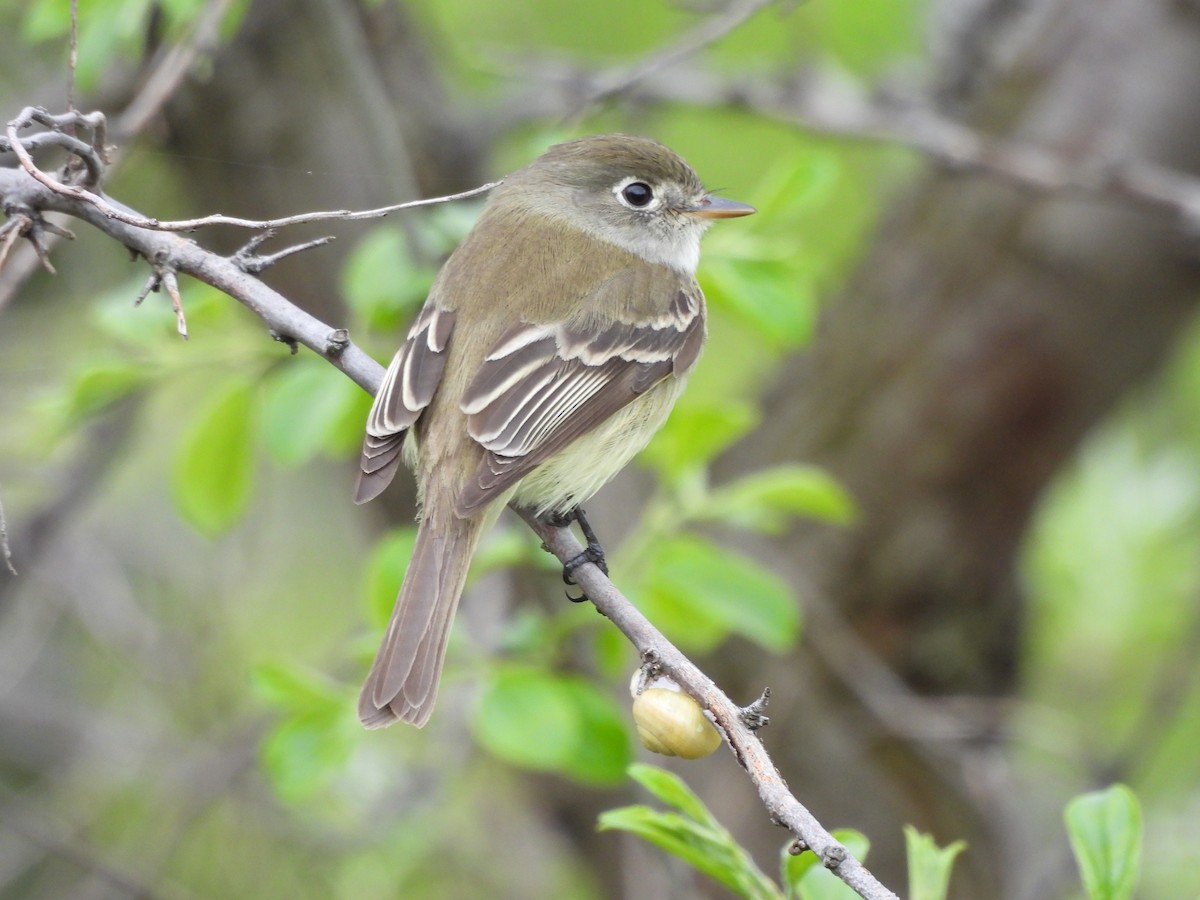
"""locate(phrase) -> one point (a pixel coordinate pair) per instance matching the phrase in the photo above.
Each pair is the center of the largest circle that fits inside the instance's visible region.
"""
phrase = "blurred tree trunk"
(350, 112)
(986, 331)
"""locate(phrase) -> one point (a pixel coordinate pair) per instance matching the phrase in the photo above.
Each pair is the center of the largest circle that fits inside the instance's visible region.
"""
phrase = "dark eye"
(637, 193)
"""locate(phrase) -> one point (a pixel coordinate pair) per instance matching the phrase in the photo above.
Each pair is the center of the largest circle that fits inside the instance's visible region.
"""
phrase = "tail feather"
(378, 464)
(403, 681)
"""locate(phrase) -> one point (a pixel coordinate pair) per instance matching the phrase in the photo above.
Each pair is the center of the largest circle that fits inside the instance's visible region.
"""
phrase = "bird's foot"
(593, 553)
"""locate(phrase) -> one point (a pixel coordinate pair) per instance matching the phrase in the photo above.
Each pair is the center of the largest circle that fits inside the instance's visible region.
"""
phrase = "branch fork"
(29, 223)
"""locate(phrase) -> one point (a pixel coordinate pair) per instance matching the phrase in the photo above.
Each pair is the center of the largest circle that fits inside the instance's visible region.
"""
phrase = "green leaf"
(308, 747)
(768, 500)
(385, 572)
(305, 752)
(1105, 828)
(693, 836)
(309, 409)
(701, 592)
(800, 182)
(291, 688)
(509, 548)
(554, 723)
(928, 865)
(214, 469)
(695, 433)
(603, 753)
(381, 283)
(671, 790)
(807, 879)
(102, 384)
(767, 296)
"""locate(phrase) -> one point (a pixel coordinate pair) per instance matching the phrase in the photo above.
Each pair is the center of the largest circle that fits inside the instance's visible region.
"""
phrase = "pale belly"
(575, 473)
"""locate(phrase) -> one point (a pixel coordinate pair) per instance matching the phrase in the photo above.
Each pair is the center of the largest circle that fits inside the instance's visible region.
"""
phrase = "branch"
(730, 719)
(28, 826)
(823, 102)
(93, 155)
(119, 213)
(707, 32)
(166, 75)
(171, 253)
(5, 549)
(170, 68)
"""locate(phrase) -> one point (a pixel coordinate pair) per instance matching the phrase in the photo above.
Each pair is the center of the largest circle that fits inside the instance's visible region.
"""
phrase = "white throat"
(676, 248)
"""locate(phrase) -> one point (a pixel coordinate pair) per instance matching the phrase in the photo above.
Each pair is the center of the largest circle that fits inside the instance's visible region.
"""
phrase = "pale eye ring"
(636, 194)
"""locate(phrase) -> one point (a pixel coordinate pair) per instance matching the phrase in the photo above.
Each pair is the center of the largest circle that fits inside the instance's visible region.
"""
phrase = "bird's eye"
(637, 194)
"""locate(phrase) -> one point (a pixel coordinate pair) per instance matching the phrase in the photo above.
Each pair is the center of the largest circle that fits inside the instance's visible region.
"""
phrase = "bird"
(552, 345)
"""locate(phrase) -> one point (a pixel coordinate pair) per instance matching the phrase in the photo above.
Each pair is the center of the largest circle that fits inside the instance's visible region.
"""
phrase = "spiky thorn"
(753, 716)
(31, 225)
(163, 277)
(248, 260)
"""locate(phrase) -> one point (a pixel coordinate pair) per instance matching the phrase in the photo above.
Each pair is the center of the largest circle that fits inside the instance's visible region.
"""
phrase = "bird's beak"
(714, 207)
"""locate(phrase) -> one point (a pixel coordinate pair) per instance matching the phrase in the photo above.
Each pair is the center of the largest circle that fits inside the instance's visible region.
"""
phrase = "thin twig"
(707, 32)
(730, 719)
(127, 217)
(5, 549)
(27, 825)
(822, 102)
(33, 226)
(72, 55)
(171, 284)
(170, 69)
(249, 260)
(9, 232)
(93, 155)
(185, 257)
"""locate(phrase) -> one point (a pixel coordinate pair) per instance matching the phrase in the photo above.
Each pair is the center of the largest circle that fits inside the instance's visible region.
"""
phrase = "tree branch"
(5, 549)
(94, 155)
(707, 32)
(824, 102)
(166, 251)
(730, 719)
(170, 68)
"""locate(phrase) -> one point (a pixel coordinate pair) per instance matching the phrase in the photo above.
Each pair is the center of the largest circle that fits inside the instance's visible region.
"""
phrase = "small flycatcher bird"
(551, 348)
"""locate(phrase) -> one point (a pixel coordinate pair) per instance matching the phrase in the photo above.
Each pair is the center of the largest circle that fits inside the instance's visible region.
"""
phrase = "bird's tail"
(403, 681)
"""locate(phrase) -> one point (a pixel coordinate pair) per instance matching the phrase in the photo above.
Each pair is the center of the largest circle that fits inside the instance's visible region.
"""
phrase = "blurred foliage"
(113, 32)
(1105, 829)
(1114, 578)
(530, 717)
(224, 634)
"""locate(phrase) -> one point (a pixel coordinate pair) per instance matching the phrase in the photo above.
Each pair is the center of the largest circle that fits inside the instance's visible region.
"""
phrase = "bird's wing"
(544, 385)
(407, 388)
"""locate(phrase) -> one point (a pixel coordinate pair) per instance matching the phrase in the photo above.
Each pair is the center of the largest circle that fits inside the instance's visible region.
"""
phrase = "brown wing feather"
(408, 387)
(546, 385)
